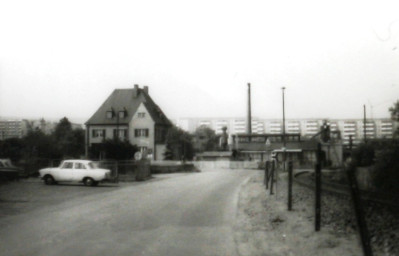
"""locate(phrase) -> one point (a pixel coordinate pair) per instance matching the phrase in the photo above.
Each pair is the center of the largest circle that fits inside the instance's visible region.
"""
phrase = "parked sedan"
(75, 171)
(8, 170)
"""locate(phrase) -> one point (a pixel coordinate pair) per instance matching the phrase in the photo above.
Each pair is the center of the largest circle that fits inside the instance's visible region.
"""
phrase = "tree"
(395, 115)
(178, 145)
(118, 150)
(395, 111)
(63, 129)
(70, 143)
(386, 175)
(12, 148)
(39, 145)
(205, 139)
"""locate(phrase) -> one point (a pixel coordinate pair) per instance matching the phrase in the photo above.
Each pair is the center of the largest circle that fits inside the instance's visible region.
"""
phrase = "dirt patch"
(265, 227)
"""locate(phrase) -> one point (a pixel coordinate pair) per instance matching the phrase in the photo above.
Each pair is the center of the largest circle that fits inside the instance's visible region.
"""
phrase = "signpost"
(138, 156)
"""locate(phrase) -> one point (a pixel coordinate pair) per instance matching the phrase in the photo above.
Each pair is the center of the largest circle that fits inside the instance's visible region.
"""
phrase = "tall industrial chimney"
(249, 118)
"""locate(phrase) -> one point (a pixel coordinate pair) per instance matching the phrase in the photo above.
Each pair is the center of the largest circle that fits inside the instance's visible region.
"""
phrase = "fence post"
(266, 181)
(116, 170)
(272, 178)
(318, 188)
(290, 185)
(318, 196)
(358, 207)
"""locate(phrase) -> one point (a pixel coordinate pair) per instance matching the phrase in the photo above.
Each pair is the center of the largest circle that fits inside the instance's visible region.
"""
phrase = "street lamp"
(283, 89)
(284, 142)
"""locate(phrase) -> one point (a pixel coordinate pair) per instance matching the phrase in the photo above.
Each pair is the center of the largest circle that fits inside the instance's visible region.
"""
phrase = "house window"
(120, 133)
(141, 114)
(110, 114)
(98, 133)
(122, 114)
(142, 149)
(141, 132)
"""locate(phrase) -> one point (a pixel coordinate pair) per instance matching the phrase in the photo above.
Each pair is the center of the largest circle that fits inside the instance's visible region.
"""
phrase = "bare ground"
(265, 227)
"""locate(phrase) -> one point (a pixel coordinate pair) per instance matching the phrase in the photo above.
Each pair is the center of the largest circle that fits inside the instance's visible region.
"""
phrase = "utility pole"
(364, 123)
(283, 88)
(249, 114)
(284, 140)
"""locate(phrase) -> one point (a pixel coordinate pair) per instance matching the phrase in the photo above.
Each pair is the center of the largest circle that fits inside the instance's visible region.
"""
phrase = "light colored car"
(75, 171)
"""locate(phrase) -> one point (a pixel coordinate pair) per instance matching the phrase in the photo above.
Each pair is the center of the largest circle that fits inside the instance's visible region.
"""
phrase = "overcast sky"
(64, 58)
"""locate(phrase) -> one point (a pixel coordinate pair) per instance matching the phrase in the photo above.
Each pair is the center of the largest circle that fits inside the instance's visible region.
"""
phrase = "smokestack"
(249, 118)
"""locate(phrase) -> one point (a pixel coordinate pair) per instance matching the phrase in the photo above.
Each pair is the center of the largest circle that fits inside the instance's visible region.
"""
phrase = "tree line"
(65, 142)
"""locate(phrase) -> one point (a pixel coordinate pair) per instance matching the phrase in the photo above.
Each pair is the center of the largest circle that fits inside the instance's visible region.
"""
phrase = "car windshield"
(91, 165)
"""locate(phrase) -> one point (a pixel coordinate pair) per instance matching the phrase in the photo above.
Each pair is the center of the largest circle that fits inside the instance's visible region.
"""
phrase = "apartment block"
(348, 128)
(11, 129)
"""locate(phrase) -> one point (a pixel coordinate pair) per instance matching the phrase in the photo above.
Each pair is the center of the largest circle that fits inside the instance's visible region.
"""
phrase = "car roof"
(78, 161)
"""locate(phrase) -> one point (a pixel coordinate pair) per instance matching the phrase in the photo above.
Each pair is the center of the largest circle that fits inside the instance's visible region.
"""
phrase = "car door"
(65, 172)
(79, 171)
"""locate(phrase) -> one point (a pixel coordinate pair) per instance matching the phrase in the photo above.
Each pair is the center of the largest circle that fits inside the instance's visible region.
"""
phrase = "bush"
(364, 154)
(386, 169)
(119, 150)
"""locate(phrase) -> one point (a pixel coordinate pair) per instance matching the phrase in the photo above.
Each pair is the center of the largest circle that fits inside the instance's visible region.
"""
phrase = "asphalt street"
(176, 214)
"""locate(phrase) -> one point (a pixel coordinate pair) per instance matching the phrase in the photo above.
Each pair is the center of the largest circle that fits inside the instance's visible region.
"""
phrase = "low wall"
(128, 170)
(173, 167)
(222, 164)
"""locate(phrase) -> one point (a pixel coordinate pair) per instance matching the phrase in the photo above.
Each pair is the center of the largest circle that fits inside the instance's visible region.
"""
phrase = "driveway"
(176, 214)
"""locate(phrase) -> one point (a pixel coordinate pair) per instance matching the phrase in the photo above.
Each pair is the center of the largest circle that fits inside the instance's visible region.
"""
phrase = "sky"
(64, 58)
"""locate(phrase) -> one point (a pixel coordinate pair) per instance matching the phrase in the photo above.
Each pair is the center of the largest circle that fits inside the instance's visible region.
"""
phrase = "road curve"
(178, 214)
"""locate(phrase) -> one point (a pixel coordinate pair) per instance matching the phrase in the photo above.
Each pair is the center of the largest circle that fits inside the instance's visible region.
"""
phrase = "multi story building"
(350, 129)
(11, 129)
(19, 128)
(130, 115)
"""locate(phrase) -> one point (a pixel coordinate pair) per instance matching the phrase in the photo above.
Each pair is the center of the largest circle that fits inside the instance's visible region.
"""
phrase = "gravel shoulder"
(265, 227)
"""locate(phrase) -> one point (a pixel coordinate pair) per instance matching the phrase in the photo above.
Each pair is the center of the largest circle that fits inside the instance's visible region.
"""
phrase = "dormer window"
(122, 114)
(110, 114)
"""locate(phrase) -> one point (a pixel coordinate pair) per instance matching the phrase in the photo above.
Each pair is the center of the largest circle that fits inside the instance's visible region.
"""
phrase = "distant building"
(131, 115)
(11, 129)
(18, 128)
(375, 128)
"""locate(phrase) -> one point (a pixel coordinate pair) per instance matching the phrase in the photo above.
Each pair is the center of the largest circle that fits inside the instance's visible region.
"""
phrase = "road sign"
(138, 155)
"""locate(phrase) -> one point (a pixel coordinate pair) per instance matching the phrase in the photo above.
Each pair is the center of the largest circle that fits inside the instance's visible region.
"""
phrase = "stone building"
(130, 115)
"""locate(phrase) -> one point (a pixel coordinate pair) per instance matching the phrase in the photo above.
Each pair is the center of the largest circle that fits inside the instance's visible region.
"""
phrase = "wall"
(226, 164)
(159, 151)
(142, 123)
(109, 132)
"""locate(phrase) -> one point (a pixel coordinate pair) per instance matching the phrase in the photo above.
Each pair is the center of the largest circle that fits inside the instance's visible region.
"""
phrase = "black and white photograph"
(209, 128)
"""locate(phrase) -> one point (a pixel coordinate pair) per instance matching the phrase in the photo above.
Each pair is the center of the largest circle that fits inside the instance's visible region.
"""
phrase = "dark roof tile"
(122, 99)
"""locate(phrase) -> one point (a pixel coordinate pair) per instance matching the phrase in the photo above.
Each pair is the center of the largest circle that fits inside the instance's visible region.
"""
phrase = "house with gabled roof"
(132, 115)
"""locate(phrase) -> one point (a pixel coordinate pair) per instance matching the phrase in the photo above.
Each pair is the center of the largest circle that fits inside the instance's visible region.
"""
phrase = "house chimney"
(145, 89)
(249, 119)
(135, 91)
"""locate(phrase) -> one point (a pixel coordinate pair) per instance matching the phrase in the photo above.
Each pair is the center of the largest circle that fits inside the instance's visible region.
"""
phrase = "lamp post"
(284, 142)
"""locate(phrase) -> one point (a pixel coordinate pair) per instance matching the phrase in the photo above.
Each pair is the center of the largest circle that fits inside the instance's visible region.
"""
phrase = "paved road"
(179, 214)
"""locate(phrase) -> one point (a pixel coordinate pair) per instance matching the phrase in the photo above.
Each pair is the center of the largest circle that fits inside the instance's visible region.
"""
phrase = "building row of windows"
(120, 133)
(122, 114)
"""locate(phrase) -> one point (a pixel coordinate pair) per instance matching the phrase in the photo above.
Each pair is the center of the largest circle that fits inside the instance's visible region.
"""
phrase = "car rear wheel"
(49, 180)
(89, 182)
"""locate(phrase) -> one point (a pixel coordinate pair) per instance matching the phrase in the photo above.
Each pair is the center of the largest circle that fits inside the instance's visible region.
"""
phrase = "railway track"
(306, 179)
